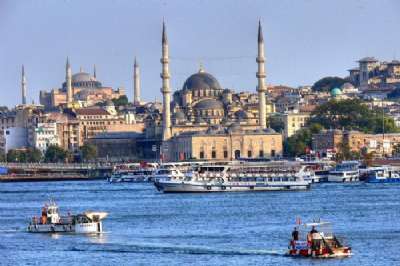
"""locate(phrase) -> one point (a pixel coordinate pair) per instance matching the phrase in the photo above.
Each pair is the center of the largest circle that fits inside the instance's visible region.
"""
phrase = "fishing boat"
(236, 177)
(135, 173)
(346, 171)
(316, 240)
(382, 174)
(50, 221)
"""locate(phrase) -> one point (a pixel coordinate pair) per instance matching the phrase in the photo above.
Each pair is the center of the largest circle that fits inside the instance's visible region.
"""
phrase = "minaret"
(165, 90)
(68, 80)
(94, 71)
(261, 88)
(136, 83)
(23, 85)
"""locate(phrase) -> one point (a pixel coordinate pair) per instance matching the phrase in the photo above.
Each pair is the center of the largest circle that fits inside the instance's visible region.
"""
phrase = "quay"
(25, 172)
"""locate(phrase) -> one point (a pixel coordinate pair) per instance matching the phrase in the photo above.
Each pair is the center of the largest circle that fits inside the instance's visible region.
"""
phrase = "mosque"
(80, 88)
(205, 121)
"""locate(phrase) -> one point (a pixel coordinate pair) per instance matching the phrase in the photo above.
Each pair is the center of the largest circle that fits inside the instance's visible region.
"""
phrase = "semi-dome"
(201, 80)
(209, 104)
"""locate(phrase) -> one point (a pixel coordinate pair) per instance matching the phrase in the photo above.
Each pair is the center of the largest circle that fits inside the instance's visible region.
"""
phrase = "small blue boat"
(383, 174)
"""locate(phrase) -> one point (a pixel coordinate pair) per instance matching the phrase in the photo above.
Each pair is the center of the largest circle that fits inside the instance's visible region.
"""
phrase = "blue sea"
(146, 227)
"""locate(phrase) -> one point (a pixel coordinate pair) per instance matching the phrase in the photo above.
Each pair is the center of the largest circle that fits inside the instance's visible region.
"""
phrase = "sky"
(305, 40)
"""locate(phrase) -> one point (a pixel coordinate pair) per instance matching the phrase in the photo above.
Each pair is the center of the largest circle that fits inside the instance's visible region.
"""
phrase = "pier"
(20, 172)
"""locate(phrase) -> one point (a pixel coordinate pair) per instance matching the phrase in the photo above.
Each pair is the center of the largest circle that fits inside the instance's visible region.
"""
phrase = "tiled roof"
(91, 111)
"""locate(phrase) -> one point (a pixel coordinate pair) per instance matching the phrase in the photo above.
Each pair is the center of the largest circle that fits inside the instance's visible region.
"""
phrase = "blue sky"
(305, 40)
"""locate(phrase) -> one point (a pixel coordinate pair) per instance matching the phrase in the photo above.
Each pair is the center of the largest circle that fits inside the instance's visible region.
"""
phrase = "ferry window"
(213, 154)
(249, 154)
(261, 153)
(202, 155)
(225, 154)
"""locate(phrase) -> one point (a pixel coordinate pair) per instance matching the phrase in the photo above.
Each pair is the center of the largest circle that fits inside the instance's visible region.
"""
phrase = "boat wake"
(174, 249)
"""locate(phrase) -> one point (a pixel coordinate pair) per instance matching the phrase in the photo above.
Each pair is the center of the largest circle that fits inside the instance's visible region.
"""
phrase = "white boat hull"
(83, 228)
(192, 187)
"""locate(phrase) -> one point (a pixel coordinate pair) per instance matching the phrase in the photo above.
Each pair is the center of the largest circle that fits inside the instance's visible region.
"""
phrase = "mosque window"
(249, 154)
(201, 154)
(261, 154)
(225, 154)
(213, 154)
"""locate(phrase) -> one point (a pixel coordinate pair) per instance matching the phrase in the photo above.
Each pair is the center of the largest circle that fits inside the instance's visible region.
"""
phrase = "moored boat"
(382, 174)
(51, 222)
(346, 171)
(316, 240)
(236, 177)
(135, 173)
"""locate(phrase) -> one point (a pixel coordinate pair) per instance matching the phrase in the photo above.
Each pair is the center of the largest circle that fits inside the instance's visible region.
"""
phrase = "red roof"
(91, 111)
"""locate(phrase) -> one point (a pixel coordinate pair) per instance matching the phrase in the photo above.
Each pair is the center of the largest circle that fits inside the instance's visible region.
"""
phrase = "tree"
(121, 101)
(15, 156)
(300, 142)
(328, 83)
(276, 123)
(89, 152)
(33, 155)
(352, 114)
(55, 154)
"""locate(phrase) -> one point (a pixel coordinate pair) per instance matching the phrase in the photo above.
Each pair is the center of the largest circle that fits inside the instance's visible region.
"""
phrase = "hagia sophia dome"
(84, 80)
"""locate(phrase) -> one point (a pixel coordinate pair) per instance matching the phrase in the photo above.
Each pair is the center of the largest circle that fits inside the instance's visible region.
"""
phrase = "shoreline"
(11, 179)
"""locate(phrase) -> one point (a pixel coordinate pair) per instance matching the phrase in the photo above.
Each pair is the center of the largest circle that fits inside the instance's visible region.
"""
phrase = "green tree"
(16, 156)
(89, 152)
(121, 101)
(55, 154)
(328, 83)
(352, 114)
(300, 142)
(276, 123)
(33, 155)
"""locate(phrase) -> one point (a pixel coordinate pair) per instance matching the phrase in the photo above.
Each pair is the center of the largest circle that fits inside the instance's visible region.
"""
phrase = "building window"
(261, 154)
(202, 155)
(273, 153)
(225, 154)
(213, 154)
(249, 154)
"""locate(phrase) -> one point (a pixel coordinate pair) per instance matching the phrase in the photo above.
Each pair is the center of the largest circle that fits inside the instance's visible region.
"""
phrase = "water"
(146, 227)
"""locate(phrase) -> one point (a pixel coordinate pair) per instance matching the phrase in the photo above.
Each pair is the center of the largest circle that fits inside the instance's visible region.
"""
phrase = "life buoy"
(223, 187)
(208, 187)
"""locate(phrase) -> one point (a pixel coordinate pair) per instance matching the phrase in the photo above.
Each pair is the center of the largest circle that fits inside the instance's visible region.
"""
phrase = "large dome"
(82, 76)
(201, 80)
(84, 80)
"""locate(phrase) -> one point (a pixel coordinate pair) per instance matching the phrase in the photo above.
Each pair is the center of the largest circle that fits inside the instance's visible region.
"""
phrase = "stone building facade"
(225, 144)
(331, 140)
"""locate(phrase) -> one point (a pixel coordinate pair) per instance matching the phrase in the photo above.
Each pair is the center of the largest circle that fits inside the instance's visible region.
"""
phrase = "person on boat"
(315, 238)
(295, 234)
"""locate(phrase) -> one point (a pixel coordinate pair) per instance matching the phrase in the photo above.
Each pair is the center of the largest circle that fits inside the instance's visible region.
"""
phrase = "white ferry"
(133, 173)
(236, 177)
(51, 222)
(346, 171)
(169, 171)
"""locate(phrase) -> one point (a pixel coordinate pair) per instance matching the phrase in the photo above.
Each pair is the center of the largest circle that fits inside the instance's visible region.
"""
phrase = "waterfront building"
(79, 87)
(14, 138)
(46, 134)
(218, 143)
(115, 145)
(331, 140)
